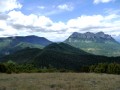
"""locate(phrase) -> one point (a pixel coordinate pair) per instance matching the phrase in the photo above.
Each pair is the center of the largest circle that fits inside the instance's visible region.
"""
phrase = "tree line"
(12, 67)
(109, 68)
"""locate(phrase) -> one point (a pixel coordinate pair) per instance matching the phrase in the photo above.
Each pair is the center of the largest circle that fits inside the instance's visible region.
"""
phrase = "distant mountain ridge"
(31, 39)
(12, 44)
(96, 37)
(95, 43)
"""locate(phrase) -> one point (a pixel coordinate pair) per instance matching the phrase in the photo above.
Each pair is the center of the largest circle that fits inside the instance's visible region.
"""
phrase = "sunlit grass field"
(59, 81)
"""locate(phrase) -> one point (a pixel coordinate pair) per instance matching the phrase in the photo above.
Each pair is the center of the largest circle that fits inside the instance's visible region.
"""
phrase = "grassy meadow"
(59, 81)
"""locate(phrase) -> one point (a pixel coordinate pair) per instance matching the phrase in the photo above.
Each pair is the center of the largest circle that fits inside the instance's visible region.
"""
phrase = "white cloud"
(109, 24)
(29, 23)
(7, 5)
(95, 23)
(85, 21)
(66, 7)
(43, 21)
(18, 23)
(102, 1)
(58, 26)
(7, 30)
(16, 17)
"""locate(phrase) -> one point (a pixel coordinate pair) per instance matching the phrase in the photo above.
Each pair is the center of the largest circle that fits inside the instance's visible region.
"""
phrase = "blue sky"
(57, 19)
(75, 9)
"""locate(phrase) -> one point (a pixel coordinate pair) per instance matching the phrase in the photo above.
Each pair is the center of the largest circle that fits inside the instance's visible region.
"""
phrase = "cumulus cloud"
(95, 23)
(17, 23)
(102, 1)
(7, 5)
(85, 21)
(3, 16)
(6, 29)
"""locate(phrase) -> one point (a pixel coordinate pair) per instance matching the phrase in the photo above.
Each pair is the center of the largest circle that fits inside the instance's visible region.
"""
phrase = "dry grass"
(59, 81)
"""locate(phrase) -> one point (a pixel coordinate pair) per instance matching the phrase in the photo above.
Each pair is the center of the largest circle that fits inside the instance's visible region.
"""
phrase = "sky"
(56, 20)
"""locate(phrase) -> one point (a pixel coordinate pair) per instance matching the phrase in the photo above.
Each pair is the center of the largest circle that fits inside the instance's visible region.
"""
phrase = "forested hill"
(59, 56)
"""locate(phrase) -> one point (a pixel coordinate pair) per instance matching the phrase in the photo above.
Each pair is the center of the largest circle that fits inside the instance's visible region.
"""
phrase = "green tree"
(3, 68)
(113, 68)
(101, 68)
(11, 66)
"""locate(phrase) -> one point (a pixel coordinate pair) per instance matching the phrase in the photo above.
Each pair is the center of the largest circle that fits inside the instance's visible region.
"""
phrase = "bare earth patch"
(59, 81)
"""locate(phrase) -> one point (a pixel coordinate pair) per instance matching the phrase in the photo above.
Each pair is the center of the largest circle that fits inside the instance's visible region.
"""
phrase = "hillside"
(62, 47)
(22, 56)
(12, 44)
(95, 43)
(61, 56)
(58, 55)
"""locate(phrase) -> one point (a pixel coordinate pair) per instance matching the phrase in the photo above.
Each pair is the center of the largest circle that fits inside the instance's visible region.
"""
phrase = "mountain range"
(80, 49)
(9, 45)
(95, 43)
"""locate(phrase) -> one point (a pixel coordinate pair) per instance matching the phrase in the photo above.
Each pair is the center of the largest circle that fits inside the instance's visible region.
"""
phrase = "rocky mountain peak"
(98, 37)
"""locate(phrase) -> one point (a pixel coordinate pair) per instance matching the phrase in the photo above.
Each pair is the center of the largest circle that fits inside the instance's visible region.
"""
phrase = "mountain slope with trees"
(60, 56)
(12, 44)
(99, 43)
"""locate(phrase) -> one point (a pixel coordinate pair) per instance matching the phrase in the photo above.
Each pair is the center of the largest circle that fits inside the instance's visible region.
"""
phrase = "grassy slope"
(59, 81)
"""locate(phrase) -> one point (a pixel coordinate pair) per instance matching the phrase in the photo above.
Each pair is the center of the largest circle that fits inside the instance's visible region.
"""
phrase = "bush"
(112, 68)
